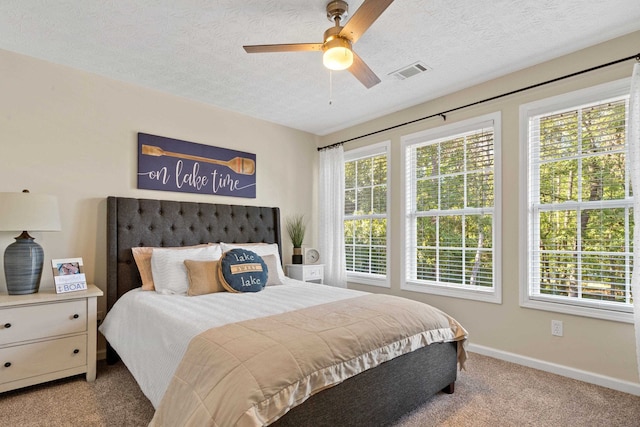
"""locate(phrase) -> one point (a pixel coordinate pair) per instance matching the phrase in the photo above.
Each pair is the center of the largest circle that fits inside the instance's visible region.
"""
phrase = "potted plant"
(296, 228)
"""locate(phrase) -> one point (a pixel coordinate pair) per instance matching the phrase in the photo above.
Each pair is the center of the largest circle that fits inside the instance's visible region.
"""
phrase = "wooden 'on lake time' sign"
(173, 165)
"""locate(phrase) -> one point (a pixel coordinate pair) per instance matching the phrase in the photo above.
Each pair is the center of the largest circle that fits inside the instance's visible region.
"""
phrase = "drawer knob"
(7, 364)
(76, 351)
(7, 325)
(75, 316)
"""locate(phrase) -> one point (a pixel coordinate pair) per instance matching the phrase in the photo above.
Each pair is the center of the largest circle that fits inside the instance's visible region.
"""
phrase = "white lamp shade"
(29, 212)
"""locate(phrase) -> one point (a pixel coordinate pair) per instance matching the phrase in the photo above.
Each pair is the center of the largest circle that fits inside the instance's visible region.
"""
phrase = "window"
(452, 210)
(578, 204)
(366, 240)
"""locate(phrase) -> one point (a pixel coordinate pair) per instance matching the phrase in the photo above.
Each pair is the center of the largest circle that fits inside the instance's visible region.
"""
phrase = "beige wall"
(601, 347)
(74, 134)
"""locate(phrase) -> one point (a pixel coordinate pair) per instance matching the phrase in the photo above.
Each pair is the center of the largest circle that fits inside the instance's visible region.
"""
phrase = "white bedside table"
(46, 336)
(306, 272)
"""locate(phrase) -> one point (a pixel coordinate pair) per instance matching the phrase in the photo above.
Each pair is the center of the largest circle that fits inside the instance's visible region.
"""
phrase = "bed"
(376, 396)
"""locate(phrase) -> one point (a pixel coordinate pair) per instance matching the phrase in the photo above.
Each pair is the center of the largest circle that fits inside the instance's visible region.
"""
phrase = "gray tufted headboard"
(157, 223)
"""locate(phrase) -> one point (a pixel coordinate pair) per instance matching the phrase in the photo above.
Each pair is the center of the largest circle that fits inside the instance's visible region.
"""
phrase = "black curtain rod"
(444, 113)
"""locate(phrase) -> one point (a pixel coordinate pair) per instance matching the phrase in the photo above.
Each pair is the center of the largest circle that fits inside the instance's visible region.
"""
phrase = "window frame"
(373, 150)
(528, 299)
(478, 293)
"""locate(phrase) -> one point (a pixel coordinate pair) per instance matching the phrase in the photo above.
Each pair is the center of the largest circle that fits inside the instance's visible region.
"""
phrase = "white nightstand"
(46, 336)
(306, 272)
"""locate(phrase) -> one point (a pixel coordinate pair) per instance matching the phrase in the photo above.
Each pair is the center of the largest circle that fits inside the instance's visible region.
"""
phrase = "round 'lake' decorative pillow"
(243, 271)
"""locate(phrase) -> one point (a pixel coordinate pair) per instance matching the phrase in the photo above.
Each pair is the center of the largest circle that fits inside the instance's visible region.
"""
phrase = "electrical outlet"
(556, 328)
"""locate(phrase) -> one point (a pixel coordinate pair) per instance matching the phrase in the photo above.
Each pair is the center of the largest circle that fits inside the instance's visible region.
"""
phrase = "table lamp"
(23, 258)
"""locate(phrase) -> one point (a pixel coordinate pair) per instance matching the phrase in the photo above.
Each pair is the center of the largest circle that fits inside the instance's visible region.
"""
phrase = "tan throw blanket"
(251, 373)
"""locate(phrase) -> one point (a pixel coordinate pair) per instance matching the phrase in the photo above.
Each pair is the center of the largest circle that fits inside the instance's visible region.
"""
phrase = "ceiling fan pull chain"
(330, 87)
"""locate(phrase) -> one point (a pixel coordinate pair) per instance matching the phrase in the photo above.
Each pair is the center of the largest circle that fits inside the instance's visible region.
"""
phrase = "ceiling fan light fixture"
(337, 54)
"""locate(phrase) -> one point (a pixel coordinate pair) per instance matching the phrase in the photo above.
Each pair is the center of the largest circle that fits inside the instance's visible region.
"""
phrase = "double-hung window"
(366, 202)
(452, 210)
(577, 205)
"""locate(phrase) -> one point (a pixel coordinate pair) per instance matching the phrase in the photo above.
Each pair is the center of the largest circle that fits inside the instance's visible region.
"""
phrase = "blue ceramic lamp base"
(23, 261)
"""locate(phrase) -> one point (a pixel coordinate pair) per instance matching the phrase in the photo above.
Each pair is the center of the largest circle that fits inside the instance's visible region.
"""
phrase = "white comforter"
(151, 331)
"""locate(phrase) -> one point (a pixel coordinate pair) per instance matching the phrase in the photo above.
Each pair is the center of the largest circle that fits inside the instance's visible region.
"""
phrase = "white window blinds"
(450, 208)
(365, 215)
(580, 206)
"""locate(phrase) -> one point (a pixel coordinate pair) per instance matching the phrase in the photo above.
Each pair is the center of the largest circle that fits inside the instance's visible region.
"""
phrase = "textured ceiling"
(193, 48)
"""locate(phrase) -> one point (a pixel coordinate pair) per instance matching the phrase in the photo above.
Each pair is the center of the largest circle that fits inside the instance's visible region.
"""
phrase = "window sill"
(491, 296)
(576, 310)
(380, 281)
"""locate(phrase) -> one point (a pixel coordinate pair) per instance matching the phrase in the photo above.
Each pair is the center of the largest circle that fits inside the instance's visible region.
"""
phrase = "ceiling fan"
(337, 45)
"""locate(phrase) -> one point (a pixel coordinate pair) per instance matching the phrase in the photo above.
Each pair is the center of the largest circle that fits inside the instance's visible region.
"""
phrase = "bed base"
(378, 396)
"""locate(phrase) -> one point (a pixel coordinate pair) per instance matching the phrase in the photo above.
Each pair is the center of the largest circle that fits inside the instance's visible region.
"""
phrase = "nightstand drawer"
(306, 272)
(313, 272)
(25, 323)
(30, 360)
(45, 336)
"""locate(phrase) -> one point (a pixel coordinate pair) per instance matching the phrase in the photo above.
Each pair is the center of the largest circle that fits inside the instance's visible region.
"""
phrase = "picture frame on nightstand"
(68, 275)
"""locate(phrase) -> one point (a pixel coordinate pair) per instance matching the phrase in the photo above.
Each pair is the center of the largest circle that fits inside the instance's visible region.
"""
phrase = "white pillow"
(168, 269)
(272, 265)
(261, 249)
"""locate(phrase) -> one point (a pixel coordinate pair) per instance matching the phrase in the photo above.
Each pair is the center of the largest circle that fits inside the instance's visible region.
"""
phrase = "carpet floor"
(490, 392)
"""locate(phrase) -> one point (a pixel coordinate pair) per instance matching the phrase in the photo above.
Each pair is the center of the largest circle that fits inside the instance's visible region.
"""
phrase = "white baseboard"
(565, 371)
(102, 354)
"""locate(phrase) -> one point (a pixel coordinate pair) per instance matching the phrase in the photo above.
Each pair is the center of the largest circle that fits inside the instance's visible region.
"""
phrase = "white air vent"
(411, 70)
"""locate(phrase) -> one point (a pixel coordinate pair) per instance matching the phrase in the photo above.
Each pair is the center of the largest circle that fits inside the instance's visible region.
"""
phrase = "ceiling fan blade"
(362, 72)
(295, 47)
(362, 19)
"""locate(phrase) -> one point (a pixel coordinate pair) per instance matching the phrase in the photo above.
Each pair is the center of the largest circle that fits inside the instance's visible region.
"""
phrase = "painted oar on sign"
(240, 165)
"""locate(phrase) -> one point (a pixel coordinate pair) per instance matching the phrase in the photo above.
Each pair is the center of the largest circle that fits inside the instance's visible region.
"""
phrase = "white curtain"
(331, 210)
(634, 162)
